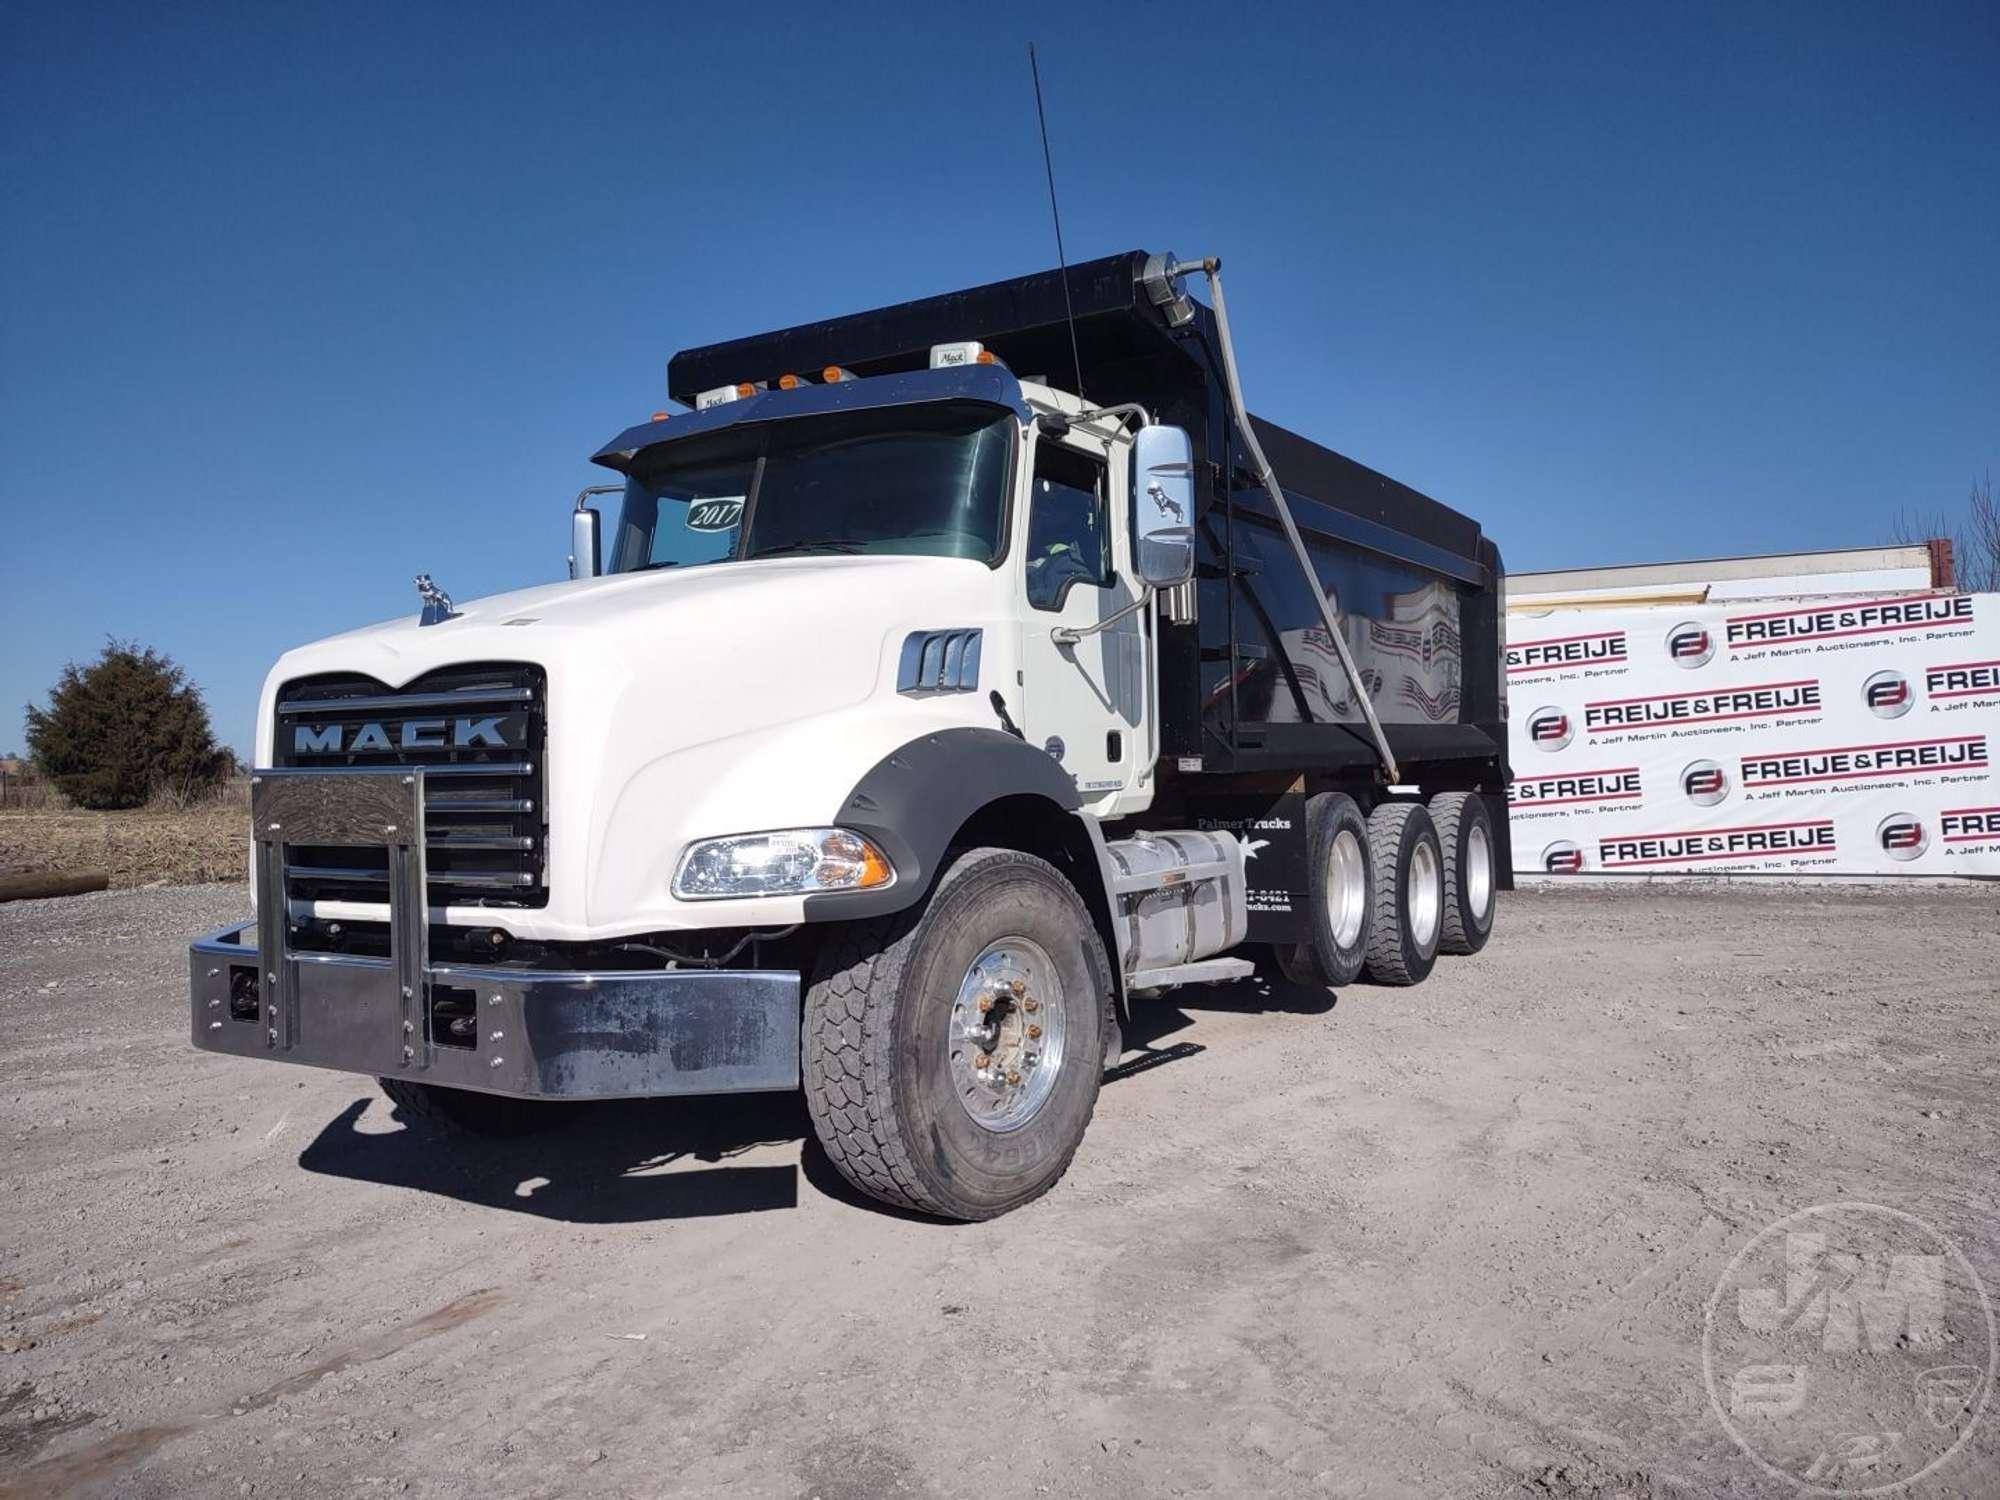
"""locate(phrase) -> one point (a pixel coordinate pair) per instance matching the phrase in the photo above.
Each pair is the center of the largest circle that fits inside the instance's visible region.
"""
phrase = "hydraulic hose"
(1211, 266)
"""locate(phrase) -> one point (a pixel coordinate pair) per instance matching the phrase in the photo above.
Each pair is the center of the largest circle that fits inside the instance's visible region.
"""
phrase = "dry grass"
(210, 841)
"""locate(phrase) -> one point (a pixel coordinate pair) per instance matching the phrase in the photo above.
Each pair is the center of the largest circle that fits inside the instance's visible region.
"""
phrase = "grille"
(477, 732)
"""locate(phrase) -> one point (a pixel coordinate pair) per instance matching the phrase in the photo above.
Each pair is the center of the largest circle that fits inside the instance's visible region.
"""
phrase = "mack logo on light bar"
(494, 732)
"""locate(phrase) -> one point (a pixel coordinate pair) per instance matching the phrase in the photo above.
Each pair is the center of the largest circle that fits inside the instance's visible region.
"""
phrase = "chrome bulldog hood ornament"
(437, 603)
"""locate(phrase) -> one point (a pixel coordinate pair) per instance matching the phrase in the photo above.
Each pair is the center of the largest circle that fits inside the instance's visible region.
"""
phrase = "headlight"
(791, 862)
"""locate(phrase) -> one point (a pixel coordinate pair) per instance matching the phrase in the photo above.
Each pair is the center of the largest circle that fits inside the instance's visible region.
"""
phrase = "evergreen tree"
(124, 727)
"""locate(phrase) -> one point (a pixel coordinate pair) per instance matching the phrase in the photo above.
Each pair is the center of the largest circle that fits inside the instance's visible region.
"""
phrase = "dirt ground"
(1451, 1241)
(210, 841)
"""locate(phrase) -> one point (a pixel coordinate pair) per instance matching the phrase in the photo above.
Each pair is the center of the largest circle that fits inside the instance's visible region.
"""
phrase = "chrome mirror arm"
(1069, 635)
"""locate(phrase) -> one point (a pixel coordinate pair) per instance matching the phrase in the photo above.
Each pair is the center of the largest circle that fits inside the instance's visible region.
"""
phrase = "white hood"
(689, 703)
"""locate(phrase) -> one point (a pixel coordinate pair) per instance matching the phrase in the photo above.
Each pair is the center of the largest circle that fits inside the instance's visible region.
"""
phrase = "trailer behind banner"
(1806, 737)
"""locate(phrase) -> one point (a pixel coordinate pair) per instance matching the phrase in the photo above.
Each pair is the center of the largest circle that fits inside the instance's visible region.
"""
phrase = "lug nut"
(981, 1060)
(1031, 1006)
(1034, 1032)
(1019, 987)
(1013, 1077)
(985, 1004)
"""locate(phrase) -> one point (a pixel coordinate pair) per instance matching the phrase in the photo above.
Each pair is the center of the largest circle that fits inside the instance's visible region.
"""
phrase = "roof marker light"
(661, 416)
(968, 352)
(724, 393)
(789, 382)
(834, 374)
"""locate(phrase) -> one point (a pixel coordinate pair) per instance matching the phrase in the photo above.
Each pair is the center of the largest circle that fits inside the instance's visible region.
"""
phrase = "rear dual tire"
(1407, 889)
(1377, 898)
(1340, 906)
(1471, 877)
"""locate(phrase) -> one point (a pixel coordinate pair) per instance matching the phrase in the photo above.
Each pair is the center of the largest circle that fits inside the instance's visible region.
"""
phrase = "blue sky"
(299, 301)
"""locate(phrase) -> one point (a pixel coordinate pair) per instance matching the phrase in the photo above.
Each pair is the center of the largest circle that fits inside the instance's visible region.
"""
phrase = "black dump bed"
(1252, 684)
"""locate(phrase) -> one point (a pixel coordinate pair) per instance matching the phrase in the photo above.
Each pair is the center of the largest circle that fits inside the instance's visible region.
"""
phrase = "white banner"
(1845, 736)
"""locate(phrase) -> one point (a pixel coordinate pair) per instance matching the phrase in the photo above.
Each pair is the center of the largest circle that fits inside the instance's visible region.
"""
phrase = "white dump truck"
(949, 679)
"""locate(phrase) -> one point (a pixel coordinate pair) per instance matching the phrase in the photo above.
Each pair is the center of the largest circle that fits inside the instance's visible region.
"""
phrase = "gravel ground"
(1455, 1240)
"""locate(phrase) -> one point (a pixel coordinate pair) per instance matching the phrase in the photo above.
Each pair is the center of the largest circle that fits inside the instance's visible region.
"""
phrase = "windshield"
(928, 480)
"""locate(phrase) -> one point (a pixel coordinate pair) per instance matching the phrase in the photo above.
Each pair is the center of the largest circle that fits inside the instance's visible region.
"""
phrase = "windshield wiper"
(823, 544)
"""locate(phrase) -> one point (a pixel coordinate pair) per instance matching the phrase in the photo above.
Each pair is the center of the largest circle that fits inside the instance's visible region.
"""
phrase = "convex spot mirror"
(1163, 506)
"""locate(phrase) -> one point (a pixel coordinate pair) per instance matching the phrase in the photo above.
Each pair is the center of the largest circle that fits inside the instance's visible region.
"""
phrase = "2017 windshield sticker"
(724, 514)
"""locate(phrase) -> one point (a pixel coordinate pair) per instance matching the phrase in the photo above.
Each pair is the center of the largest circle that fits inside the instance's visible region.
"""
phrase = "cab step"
(1201, 971)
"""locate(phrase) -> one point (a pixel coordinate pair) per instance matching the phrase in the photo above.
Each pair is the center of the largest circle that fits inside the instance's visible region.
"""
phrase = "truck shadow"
(1152, 1021)
(642, 1160)
(623, 1162)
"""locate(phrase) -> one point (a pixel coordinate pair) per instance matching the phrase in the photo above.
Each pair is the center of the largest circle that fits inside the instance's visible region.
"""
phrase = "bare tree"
(1974, 537)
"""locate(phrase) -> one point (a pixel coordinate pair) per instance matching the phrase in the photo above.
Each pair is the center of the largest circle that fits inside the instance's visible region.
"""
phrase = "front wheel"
(952, 1052)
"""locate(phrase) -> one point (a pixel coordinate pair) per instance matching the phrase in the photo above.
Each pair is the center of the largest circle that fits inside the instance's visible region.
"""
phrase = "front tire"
(1465, 833)
(923, 1097)
(1408, 895)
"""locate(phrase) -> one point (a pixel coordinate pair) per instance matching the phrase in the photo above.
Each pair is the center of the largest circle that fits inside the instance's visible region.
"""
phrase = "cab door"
(1085, 702)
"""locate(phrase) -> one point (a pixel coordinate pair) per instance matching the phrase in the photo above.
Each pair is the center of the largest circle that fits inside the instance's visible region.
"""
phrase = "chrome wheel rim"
(1009, 1025)
(1426, 893)
(1346, 888)
(1478, 872)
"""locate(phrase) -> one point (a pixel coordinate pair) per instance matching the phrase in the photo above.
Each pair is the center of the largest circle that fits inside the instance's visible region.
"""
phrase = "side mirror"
(1163, 506)
(584, 558)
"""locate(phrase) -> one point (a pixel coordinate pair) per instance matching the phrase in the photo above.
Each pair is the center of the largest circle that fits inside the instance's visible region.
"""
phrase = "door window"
(1069, 537)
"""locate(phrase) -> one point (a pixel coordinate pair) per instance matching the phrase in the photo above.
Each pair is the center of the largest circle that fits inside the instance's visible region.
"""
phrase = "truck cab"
(843, 761)
(1008, 506)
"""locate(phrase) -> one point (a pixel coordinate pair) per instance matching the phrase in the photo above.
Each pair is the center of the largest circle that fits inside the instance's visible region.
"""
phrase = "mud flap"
(1272, 829)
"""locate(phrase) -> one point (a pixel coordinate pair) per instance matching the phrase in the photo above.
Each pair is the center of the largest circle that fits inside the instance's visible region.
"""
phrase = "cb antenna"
(1062, 262)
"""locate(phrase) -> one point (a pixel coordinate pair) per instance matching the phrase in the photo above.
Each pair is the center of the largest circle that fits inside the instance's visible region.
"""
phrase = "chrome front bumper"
(536, 1034)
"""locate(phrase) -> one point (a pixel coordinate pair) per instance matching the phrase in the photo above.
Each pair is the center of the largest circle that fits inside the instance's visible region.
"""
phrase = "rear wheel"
(476, 1114)
(1465, 834)
(1408, 880)
(953, 1052)
(1340, 902)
